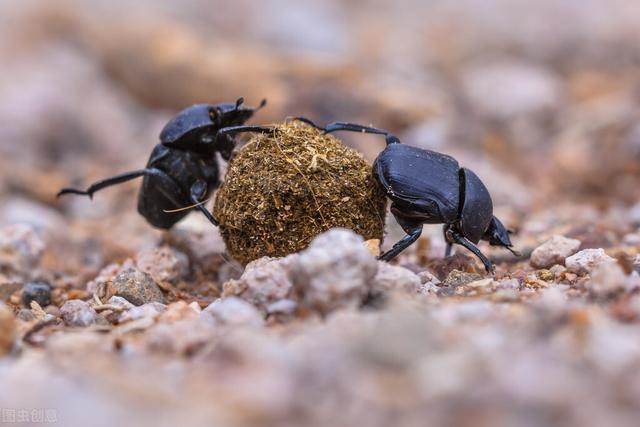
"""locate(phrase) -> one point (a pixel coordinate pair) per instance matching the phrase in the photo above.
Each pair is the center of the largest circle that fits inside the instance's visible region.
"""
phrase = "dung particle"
(286, 187)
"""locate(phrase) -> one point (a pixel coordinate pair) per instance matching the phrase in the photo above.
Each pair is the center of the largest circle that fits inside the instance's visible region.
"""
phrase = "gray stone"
(264, 281)
(76, 312)
(554, 251)
(20, 249)
(606, 278)
(587, 260)
(135, 286)
(336, 270)
(393, 277)
(233, 311)
(163, 263)
(39, 292)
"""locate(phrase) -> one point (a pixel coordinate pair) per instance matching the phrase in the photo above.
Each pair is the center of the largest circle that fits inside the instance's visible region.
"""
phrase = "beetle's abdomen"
(420, 178)
(182, 168)
(477, 209)
(153, 204)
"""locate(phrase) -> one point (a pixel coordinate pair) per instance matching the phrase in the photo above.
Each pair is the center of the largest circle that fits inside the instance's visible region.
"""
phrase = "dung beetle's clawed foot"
(75, 191)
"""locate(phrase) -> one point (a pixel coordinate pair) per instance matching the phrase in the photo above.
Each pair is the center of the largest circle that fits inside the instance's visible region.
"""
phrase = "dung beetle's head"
(235, 114)
(498, 235)
(195, 127)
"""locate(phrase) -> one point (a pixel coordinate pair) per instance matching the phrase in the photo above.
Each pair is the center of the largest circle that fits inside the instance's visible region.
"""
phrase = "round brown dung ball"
(286, 187)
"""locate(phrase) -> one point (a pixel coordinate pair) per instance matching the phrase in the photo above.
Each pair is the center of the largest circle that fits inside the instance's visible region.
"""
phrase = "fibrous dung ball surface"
(286, 187)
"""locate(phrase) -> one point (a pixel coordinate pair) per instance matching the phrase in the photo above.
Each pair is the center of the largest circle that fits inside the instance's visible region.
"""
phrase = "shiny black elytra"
(427, 187)
(183, 169)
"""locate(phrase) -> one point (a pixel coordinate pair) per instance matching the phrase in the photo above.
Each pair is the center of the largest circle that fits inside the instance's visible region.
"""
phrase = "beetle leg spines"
(108, 182)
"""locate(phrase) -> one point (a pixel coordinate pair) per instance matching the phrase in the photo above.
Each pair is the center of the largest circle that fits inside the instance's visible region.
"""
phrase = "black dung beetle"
(183, 169)
(427, 187)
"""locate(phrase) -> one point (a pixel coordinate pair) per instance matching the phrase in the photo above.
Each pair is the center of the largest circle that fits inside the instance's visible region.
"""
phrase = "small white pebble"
(554, 251)
(587, 260)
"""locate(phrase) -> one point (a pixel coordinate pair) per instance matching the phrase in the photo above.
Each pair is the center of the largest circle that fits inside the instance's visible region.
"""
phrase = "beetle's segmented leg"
(307, 121)
(97, 186)
(447, 251)
(242, 128)
(351, 127)
(461, 240)
(403, 244)
(413, 230)
(198, 190)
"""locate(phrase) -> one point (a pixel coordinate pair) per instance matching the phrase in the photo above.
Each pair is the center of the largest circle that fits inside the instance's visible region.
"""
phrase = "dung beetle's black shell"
(418, 179)
(191, 118)
(477, 209)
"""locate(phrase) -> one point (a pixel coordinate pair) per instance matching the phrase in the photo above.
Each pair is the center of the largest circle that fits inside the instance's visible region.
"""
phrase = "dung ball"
(284, 188)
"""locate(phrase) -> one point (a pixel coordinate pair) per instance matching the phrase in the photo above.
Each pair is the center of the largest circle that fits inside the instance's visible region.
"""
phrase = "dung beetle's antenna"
(239, 102)
(262, 104)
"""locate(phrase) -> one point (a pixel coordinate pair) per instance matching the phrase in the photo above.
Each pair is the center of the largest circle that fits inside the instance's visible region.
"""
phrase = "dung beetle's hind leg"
(447, 251)
(350, 127)
(198, 190)
(461, 240)
(97, 186)
(413, 230)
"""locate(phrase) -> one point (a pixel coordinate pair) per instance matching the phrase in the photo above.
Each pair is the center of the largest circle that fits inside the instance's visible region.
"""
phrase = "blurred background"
(540, 98)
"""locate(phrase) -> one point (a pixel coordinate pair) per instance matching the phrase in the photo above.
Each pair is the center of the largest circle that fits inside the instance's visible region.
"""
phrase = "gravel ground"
(107, 321)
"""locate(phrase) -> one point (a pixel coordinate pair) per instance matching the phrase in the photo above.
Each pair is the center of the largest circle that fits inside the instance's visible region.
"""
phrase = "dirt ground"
(107, 321)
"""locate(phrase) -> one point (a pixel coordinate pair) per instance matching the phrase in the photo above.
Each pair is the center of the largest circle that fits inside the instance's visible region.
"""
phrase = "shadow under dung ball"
(286, 187)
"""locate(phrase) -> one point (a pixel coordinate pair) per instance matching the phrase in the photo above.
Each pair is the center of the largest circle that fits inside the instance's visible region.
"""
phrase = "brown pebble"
(135, 286)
